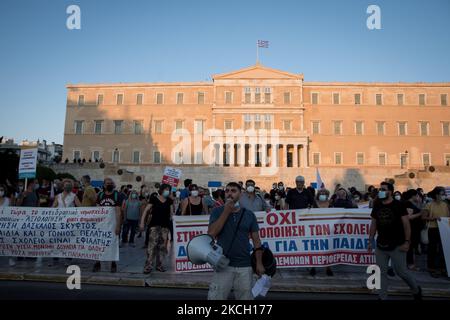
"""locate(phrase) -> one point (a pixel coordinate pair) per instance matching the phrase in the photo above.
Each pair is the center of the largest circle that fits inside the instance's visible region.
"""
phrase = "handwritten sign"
(83, 233)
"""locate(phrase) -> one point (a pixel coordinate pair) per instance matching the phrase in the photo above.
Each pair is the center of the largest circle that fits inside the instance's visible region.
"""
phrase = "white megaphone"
(203, 249)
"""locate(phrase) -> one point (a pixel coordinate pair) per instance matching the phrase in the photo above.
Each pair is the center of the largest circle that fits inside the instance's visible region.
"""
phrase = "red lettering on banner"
(319, 229)
(272, 219)
(186, 236)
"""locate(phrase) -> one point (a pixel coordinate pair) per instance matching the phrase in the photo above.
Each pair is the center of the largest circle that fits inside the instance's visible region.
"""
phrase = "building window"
(421, 99)
(426, 159)
(287, 125)
(201, 98)
(119, 99)
(424, 128)
(118, 126)
(136, 156)
(402, 128)
(178, 126)
(180, 97)
(445, 129)
(248, 95)
(338, 158)
(158, 126)
(382, 159)
(95, 156)
(257, 95)
(247, 121)
(336, 98)
(447, 159)
(77, 155)
(357, 98)
(337, 127)
(380, 128)
(287, 98)
(316, 127)
(379, 99)
(156, 157)
(400, 97)
(360, 158)
(81, 100)
(199, 124)
(139, 98)
(316, 158)
(99, 99)
(78, 127)
(257, 121)
(359, 128)
(267, 95)
(98, 126)
(138, 127)
(159, 98)
(268, 121)
(443, 99)
(228, 124)
(314, 98)
(116, 156)
(228, 97)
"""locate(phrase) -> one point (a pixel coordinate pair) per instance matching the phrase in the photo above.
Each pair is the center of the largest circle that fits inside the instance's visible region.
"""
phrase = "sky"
(190, 40)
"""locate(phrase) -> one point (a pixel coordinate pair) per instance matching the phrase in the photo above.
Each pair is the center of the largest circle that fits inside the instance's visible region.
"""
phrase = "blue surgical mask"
(382, 194)
(166, 193)
(134, 196)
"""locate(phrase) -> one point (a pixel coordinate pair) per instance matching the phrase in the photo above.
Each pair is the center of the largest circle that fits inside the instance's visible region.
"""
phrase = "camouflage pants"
(156, 246)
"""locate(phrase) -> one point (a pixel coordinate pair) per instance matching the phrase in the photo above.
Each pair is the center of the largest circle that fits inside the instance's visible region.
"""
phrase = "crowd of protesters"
(150, 208)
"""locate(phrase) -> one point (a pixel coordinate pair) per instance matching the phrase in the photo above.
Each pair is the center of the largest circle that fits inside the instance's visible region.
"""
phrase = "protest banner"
(27, 163)
(83, 233)
(444, 231)
(297, 238)
(171, 176)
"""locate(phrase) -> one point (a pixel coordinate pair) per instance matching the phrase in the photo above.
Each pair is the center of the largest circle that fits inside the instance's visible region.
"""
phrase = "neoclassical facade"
(260, 117)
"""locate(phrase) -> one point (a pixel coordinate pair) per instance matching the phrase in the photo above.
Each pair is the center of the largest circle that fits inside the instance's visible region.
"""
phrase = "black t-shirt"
(300, 200)
(389, 224)
(160, 212)
(109, 200)
(417, 224)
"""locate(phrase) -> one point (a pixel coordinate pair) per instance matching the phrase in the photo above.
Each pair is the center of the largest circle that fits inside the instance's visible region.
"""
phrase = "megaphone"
(203, 249)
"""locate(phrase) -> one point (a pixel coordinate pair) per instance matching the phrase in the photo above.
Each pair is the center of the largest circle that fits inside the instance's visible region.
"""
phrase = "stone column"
(295, 157)
(284, 150)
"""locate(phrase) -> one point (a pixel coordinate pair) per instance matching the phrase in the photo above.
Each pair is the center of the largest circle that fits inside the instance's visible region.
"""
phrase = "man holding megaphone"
(231, 225)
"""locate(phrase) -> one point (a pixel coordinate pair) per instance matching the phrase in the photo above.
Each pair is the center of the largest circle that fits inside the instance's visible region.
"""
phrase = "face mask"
(177, 194)
(443, 197)
(382, 194)
(68, 188)
(166, 193)
(323, 197)
(2, 193)
(274, 187)
(134, 196)
(109, 188)
(397, 197)
(20, 188)
(194, 193)
(356, 199)
(277, 197)
(250, 188)
(268, 202)
(237, 205)
(281, 188)
(146, 194)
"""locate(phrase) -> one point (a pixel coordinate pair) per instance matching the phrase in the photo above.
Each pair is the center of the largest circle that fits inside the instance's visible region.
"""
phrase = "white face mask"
(178, 193)
(2, 193)
(250, 188)
(268, 202)
(281, 188)
(357, 199)
(443, 197)
(323, 197)
(277, 197)
(194, 193)
(397, 197)
(237, 205)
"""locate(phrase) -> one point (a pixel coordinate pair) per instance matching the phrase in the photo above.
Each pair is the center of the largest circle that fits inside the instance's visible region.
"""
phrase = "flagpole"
(257, 53)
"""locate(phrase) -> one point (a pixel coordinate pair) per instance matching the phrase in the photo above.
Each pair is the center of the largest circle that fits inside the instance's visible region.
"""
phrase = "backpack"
(101, 195)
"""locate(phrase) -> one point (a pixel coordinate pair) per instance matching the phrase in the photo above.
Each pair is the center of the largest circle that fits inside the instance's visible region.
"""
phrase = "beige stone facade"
(261, 117)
